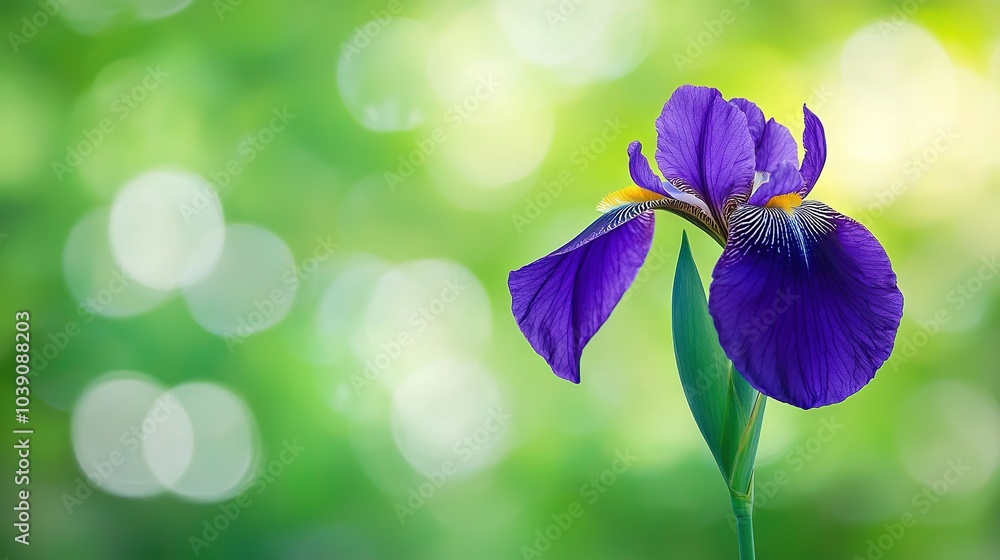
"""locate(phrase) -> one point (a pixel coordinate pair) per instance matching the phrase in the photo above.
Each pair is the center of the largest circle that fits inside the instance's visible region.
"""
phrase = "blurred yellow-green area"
(263, 248)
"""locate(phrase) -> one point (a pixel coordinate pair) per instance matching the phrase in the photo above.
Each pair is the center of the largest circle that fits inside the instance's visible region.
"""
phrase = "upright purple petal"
(784, 179)
(776, 145)
(562, 299)
(805, 303)
(814, 142)
(643, 176)
(704, 143)
(773, 143)
(638, 168)
(755, 117)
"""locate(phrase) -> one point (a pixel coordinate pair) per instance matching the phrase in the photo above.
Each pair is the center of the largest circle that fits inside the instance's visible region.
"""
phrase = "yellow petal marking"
(628, 195)
(785, 201)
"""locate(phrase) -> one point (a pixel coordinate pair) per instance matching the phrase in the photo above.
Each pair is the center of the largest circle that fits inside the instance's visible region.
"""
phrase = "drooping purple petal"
(561, 300)
(806, 305)
(783, 180)
(776, 145)
(814, 143)
(704, 143)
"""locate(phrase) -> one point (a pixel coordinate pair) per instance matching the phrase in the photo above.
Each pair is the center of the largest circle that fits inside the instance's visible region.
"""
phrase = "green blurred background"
(337, 372)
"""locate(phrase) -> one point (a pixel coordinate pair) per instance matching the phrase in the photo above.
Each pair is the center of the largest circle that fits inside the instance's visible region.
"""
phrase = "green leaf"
(745, 454)
(726, 408)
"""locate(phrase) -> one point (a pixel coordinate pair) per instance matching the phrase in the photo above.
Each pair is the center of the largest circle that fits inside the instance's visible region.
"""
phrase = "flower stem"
(743, 510)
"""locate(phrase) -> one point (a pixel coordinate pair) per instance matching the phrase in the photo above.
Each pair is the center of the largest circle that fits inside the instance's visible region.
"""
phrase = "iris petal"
(562, 299)
(814, 142)
(704, 145)
(638, 168)
(783, 180)
(644, 177)
(773, 143)
(776, 145)
(755, 117)
(806, 305)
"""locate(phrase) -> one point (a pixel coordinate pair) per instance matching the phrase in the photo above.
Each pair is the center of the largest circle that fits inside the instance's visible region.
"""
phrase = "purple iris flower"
(804, 299)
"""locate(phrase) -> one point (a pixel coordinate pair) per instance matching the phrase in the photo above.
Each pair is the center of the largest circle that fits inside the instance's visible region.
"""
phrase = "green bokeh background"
(908, 94)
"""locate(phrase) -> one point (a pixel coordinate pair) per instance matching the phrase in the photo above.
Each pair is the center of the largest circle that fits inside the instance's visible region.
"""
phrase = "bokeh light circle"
(166, 228)
(947, 423)
(95, 280)
(380, 74)
(494, 125)
(93, 16)
(224, 440)
(419, 312)
(906, 69)
(156, 9)
(899, 94)
(470, 53)
(343, 303)
(582, 41)
(450, 416)
(549, 34)
(169, 448)
(110, 422)
(497, 145)
(251, 288)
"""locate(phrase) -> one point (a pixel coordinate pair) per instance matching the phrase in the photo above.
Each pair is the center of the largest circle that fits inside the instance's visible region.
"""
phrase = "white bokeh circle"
(950, 423)
(251, 288)
(418, 312)
(224, 444)
(93, 16)
(449, 416)
(95, 280)
(166, 228)
(380, 73)
(110, 423)
(582, 41)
